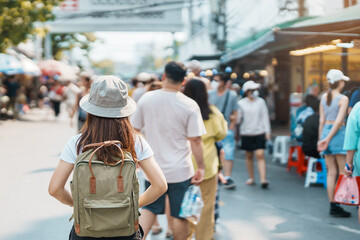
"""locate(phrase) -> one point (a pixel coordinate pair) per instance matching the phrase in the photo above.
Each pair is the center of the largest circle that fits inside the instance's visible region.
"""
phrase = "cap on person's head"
(250, 85)
(85, 74)
(208, 73)
(108, 98)
(143, 77)
(194, 66)
(215, 71)
(233, 76)
(202, 73)
(235, 86)
(335, 75)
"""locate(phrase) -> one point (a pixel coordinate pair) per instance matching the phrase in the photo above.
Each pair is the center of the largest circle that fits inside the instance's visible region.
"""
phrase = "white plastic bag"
(192, 204)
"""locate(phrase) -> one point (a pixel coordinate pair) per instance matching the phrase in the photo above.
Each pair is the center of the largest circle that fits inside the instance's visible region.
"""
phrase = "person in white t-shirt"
(70, 93)
(108, 106)
(145, 79)
(173, 126)
(253, 116)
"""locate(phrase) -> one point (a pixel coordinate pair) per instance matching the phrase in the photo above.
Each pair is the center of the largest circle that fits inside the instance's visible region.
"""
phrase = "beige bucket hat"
(108, 98)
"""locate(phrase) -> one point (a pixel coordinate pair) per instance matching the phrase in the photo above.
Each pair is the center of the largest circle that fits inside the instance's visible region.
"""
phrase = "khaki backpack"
(106, 197)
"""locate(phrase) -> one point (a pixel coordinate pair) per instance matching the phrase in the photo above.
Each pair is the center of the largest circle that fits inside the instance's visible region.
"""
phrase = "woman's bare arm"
(157, 180)
(58, 181)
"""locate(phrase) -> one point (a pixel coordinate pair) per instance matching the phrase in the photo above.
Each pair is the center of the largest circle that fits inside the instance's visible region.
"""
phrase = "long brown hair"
(329, 95)
(99, 129)
(196, 90)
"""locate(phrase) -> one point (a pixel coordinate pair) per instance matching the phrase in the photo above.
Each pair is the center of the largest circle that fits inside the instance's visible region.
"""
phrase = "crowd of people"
(188, 120)
(185, 126)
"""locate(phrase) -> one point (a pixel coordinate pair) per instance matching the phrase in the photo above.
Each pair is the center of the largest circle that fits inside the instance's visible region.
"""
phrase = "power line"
(126, 11)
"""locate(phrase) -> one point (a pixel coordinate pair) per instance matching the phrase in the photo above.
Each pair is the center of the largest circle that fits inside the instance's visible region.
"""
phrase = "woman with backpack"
(216, 129)
(333, 108)
(106, 138)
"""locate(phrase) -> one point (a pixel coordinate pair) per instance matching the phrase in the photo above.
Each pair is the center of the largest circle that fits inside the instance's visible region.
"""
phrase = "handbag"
(347, 190)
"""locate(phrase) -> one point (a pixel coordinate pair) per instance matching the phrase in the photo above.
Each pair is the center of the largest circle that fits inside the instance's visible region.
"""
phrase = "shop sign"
(118, 15)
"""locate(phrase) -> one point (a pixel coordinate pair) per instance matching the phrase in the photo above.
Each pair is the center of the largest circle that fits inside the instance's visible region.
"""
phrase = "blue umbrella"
(10, 65)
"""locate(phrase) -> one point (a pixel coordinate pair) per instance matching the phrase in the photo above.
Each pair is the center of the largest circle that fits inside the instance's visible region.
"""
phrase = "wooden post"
(353, 2)
(346, 3)
(301, 8)
(344, 61)
(321, 85)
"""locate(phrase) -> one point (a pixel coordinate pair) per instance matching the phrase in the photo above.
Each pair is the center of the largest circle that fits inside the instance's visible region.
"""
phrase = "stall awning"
(340, 17)
(205, 57)
(246, 46)
(302, 31)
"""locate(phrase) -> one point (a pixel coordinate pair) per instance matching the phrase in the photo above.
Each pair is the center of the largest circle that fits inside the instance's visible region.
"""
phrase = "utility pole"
(191, 20)
(301, 8)
(221, 21)
(348, 3)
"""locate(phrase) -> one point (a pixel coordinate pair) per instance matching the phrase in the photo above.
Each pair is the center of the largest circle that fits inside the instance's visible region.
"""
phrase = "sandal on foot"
(169, 233)
(250, 181)
(156, 229)
(264, 185)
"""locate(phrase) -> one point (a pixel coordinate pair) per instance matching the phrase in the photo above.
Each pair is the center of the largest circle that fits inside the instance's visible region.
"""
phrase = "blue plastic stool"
(315, 176)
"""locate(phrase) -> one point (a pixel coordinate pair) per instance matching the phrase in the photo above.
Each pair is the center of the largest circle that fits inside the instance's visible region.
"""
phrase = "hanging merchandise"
(29, 66)
(10, 65)
(52, 67)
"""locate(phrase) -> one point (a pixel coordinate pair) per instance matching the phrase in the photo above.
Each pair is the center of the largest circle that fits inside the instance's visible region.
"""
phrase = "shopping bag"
(192, 204)
(347, 190)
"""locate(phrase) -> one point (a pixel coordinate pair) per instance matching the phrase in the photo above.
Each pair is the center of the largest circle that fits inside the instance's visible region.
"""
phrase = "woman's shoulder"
(142, 148)
(243, 101)
(260, 100)
(344, 97)
(215, 114)
(215, 110)
(74, 139)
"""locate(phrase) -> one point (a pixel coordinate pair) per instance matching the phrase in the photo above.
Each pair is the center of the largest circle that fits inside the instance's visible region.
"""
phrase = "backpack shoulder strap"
(120, 180)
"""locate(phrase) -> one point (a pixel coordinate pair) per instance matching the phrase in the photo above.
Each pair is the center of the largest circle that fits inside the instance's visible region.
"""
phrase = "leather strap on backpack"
(120, 180)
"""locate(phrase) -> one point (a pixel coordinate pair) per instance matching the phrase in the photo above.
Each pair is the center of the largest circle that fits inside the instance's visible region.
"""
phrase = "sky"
(127, 46)
(247, 16)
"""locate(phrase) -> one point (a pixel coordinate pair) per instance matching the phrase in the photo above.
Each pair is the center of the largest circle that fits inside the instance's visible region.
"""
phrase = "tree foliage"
(67, 41)
(105, 66)
(17, 18)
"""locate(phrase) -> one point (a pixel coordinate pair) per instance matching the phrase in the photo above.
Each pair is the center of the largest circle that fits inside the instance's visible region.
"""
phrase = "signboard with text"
(118, 15)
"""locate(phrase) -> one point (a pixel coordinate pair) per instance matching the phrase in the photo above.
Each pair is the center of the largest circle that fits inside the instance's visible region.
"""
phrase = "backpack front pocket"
(103, 215)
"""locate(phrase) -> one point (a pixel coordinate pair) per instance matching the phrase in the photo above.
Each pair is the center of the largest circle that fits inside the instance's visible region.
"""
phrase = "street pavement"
(30, 151)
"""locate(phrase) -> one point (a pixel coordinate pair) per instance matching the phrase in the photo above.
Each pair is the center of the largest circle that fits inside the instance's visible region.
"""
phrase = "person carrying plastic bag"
(352, 143)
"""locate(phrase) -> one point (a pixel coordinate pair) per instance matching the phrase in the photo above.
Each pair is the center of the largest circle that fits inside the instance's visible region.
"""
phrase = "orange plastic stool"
(300, 162)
